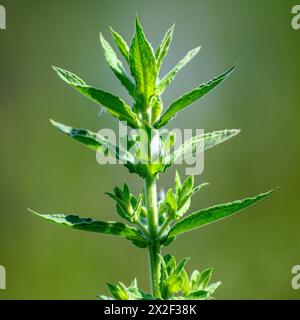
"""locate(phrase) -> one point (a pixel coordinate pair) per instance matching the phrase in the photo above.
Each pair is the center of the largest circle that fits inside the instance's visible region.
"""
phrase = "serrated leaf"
(94, 141)
(213, 214)
(191, 97)
(121, 44)
(117, 66)
(88, 224)
(172, 74)
(143, 68)
(200, 143)
(164, 46)
(113, 104)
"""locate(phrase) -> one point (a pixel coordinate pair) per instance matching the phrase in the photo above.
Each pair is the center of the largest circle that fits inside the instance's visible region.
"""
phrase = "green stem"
(154, 247)
(154, 251)
(151, 203)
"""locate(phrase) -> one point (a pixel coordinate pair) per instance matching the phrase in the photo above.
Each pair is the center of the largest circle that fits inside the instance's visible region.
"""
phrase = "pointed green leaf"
(186, 287)
(88, 224)
(113, 104)
(213, 287)
(94, 141)
(164, 47)
(198, 295)
(121, 44)
(191, 97)
(172, 74)
(118, 292)
(198, 144)
(117, 66)
(143, 68)
(212, 214)
(181, 265)
(205, 278)
(177, 182)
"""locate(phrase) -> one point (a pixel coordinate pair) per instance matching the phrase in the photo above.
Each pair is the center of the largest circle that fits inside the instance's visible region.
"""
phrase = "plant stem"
(154, 247)
(151, 203)
(154, 251)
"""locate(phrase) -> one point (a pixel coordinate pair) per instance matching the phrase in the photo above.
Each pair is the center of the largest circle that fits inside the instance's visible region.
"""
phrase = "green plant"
(154, 224)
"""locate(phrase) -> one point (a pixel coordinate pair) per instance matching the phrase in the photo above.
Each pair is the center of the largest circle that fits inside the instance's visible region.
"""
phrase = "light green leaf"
(213, 287)
(172, 74)
(88, 224)
(213, 214)
(200, 143)
(113, 104)
(143, 68)
(191, 97)
(177, 182)
(171, 286)
(164, 47)
(121, 44)
(117, 66)
(94, 141)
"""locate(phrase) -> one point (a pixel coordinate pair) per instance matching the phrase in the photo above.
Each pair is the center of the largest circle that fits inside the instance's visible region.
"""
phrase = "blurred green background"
(252, 253)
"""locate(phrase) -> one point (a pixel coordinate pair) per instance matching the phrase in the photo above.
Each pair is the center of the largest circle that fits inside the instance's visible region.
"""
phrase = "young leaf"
(190, 98)
(88, 224)
(143, 68)
(181, 265)
(164, 47)
(213, 214)
(113, 104)
(177, 182)
(118, 292)
(117, 66)
(198, 295)
(121, 44)
(205, 278)
(172, 74)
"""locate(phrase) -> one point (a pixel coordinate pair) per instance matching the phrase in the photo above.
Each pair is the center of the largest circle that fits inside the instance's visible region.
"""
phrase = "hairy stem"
(154, 247)
(151, 203)
(154, 251)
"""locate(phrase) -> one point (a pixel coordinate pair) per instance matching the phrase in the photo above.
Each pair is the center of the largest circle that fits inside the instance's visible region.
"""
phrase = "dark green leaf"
(216, 213)
(190, 98)
(198, 295)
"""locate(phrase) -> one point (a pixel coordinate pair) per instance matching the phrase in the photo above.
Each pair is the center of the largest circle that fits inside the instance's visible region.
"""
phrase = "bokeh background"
(252, 253)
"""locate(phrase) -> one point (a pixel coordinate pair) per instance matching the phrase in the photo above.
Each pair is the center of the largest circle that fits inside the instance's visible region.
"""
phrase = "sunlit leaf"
(191, 97)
